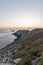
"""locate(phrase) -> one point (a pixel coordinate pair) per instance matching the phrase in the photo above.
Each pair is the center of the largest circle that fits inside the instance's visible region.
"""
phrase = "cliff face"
(26, 38)
(25, 34)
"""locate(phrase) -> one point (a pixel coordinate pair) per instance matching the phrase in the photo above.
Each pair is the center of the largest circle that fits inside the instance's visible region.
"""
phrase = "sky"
(21, 13)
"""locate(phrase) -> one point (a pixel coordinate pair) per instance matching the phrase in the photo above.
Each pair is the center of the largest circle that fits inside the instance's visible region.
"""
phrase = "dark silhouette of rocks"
(24, 34)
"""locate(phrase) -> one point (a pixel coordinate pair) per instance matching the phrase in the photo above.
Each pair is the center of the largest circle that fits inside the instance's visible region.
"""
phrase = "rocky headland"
(21, 35)
(28, 46)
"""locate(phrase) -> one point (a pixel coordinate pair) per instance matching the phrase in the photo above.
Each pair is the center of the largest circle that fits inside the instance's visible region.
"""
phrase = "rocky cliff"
(22, 35)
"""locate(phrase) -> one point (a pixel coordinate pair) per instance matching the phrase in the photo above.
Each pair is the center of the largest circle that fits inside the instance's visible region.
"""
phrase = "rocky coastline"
(21, 44)
(21, 35)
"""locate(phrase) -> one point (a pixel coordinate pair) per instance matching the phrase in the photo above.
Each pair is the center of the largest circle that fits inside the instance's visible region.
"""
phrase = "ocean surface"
(6, 36)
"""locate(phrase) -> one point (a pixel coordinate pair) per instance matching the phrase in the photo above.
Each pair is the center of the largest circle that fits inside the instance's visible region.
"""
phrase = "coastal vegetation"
(40, 61)
(30, 50)
(26, 57)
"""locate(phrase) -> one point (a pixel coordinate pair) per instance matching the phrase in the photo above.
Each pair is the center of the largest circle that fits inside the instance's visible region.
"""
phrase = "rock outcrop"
(24, 34)
(21, 36)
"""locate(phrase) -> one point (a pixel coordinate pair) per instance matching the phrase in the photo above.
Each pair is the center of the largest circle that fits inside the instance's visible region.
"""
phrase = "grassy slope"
(28, 46)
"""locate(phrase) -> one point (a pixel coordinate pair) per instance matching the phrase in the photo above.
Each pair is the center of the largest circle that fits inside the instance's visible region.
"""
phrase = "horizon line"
(21, 27)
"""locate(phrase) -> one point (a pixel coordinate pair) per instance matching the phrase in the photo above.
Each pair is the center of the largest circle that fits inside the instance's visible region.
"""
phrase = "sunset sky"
(21, 13)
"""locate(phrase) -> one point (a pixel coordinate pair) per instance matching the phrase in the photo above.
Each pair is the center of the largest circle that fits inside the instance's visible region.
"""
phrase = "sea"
(6, 36)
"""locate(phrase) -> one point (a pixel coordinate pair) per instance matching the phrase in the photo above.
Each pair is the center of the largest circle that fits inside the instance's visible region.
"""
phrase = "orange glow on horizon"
(13, 26)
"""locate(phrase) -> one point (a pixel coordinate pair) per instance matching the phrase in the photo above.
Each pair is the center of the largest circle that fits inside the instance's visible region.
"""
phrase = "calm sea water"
(6, 37)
